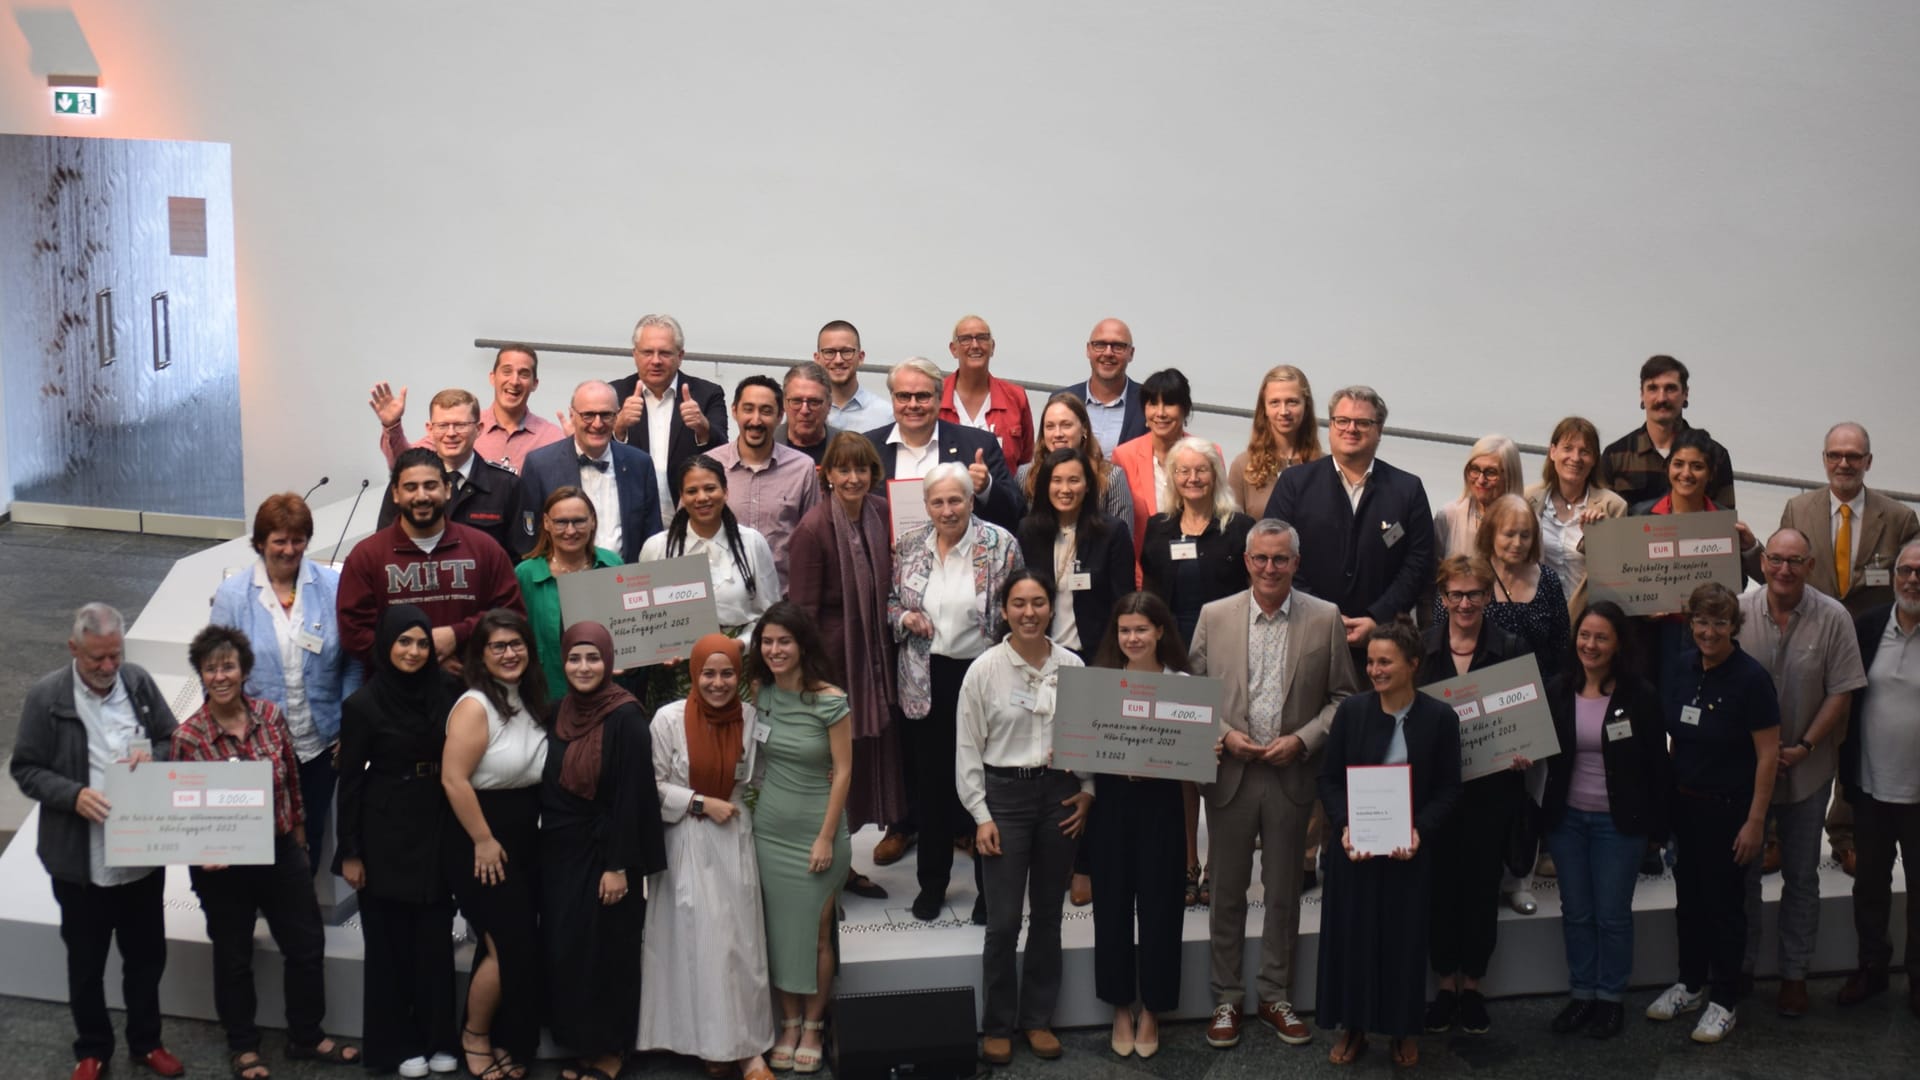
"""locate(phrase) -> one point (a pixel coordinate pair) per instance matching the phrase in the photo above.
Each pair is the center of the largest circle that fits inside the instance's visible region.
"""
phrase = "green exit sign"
(71, 101)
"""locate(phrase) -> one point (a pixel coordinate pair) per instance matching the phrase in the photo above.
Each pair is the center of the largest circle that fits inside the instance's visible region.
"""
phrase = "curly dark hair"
(216, 639)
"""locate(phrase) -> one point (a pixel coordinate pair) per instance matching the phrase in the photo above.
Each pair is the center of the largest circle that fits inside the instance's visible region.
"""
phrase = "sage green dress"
(793, 801)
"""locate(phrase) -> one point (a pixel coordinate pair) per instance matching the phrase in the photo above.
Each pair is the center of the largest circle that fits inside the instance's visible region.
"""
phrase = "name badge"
(1022, 699)
(918, 582)
(1690, 714)
(1392, 535)
(1080, 582)
(1619, 729)
(308, 640)
(740, 771)
(1186, 549)
(1876, 576)
(761, 731)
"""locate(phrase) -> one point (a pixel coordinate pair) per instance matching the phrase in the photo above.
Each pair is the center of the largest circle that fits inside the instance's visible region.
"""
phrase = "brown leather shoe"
(892, 848)
(1280, 1016)
(1224, 1032)
(1770, 857)
(1793, 998)
(996, 1050)
(1044, 1044)
(1863, 984)
(1848, 860)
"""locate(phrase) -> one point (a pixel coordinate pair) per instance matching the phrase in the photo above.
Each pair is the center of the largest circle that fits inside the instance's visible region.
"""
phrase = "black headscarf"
(428, 693)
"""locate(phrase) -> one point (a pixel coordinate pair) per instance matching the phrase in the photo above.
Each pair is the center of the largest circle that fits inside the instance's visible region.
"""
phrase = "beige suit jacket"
(1319, 675)
(1884, 528)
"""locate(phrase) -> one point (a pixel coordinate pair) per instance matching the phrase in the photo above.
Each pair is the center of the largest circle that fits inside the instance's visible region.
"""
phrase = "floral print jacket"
(996, 556)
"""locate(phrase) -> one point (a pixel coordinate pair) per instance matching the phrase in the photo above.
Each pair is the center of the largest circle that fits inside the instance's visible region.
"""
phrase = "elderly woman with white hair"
(945, 574)
(1492, 470)
(1195, 553)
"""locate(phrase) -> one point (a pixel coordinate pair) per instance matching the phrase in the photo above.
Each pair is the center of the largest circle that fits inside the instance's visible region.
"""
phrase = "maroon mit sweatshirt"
(465, 576)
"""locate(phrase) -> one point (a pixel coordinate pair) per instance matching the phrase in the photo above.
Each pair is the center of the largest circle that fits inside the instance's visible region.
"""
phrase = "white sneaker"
(443, 1063)
(413, 1067)
(1715, 1024)
(1675, 1000)
(1523, 902)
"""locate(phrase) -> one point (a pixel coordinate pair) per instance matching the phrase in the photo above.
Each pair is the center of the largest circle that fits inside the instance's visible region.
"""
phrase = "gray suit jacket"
(1319, 676)
(1884, 528)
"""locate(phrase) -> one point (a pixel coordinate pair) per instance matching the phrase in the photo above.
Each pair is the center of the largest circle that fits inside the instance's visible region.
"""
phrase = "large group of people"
(653, 858)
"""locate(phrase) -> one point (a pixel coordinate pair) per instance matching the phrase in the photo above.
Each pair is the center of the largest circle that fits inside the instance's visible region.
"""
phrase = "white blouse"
(734, 605)
(1006, 719)
(516, 747)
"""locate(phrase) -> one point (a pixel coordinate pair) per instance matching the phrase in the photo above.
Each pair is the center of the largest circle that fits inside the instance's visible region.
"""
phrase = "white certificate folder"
(1379, 808)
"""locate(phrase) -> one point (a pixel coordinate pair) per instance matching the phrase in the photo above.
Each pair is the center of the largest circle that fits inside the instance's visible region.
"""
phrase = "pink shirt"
(503, 446)
(1589, 789)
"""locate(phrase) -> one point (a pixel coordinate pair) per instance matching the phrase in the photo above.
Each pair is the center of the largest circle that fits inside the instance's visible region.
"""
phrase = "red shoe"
(89, 1069)
(161, 1062)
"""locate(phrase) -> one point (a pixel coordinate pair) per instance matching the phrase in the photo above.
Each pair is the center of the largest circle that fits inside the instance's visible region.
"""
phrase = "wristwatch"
(1805, 745)
(698, 806)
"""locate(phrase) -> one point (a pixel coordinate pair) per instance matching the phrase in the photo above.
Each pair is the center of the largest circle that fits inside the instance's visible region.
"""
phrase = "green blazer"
(541, 593)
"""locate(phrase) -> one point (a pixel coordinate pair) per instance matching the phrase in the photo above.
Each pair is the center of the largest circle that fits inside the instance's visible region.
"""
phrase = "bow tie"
(594, 463)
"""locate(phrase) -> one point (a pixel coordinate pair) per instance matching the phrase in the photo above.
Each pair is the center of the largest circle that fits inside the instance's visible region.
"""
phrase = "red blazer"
(1009, 418)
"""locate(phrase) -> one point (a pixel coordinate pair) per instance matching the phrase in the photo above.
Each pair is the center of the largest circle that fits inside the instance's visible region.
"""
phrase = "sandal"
(505, 1068)
(1193, 885)
(493, 1070)
(338, 1054)
(1406, 1051)
(781, 1059)
(1348, 1049)
(245, 1062)
(806, 1059)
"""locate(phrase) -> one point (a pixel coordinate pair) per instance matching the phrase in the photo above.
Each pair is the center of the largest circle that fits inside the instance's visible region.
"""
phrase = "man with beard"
(452, 572)
(480, 494)
(1636, 463)
(508, 430)
(769, 486)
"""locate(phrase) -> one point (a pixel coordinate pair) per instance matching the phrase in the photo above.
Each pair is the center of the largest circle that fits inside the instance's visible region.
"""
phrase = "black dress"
(1218, 568)
(592, 949)
(1373, 914)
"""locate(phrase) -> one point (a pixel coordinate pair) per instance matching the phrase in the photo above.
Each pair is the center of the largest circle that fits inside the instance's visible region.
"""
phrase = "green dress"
(541, 594)
(793, 800)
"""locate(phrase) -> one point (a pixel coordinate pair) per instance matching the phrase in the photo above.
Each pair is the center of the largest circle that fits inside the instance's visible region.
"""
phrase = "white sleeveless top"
(516, 747)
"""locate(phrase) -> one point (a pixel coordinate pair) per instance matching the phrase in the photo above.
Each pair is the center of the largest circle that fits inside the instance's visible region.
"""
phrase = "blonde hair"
(1224, 504)
(1263, 447)
(1090, 446)
(1503, 448)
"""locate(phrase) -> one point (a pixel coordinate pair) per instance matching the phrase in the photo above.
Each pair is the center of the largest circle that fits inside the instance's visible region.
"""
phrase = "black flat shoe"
(926, 906)
(1607, 1020)
(979, 911)
(1440, 1011)
(1574, 1017)
(864, 886)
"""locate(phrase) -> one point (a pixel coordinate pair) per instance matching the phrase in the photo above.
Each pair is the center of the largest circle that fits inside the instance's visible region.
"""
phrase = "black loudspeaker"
(905, 1035)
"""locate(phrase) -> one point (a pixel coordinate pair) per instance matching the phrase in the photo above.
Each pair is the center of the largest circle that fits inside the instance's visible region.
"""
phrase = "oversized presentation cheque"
(1650, 565)
(654, 610)
(1136, 724)
(1503, 712)
(192, 813)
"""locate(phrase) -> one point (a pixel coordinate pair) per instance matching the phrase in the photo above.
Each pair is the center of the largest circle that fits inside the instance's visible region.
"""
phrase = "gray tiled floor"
(45, 573)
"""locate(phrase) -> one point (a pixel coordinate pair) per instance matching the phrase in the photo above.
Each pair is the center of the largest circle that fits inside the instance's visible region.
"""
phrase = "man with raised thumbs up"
(917, 440)
(669, 415)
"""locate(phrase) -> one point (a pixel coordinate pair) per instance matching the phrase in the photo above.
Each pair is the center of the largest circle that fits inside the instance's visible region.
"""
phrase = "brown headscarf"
(713, 735)
(579, 720)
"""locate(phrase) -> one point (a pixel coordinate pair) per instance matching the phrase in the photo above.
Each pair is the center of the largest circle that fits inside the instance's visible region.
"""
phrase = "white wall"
(1492, 211)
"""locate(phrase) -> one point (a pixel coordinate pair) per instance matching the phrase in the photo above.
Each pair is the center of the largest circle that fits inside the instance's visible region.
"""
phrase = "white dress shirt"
(1065, 629)
(732, 603)
(997, 725)
(307, 743)
(912, 463)
(660, 412)
(604, 492)
(951, 600)
(111, 728)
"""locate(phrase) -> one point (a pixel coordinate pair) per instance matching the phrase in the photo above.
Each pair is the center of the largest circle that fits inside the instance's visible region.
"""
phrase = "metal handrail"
(1442, 437)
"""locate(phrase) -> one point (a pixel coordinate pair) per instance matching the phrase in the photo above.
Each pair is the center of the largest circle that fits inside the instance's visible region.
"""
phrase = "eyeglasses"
(1355, 423)
(841, 354)
(1906, 571)
(1840, 457)
(972, 339)
(1711, 624)
(1264, 561)
(656, 354)
(452, 427)
(806, 404)
(1478, 472)
(569, 524)
(1795, 561)
(1110, 346)
(596, 417)
(920, 397)
(1193, 472)
(1469, 596)
(506, 648)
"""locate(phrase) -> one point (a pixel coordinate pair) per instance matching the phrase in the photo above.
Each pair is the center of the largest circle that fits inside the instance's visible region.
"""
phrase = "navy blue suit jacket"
(1133, 423)
(680, 442)
(1003, 504)
(1344, 554)
(558, 465)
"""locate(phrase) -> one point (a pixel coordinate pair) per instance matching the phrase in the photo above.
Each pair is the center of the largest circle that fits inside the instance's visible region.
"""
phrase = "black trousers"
(283, 893)
(92, 917)
(317, 779)
(408, 993)
(1710, 889)
(941, 815)
(1137, 845)
(1468, 859)
(1879, 827)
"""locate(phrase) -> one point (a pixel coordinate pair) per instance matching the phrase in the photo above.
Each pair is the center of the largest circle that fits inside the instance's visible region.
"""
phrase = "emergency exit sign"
(76, 101)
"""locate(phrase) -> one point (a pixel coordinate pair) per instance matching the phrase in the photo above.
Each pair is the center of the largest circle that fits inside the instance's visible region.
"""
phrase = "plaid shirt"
(1638, 472)
(200, 738)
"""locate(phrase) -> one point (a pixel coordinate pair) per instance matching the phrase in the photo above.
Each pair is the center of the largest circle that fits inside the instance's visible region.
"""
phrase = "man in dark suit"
(917, 441)
(1113, 399)
(669, 415)
(1366, 529)
(484, 496)
(618, 479)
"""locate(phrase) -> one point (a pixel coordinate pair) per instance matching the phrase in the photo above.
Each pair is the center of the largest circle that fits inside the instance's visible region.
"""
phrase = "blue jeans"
(316, 798)
(1597, 865)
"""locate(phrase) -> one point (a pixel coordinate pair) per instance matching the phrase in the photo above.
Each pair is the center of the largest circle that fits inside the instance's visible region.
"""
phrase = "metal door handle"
(162, 332)
(104, 339)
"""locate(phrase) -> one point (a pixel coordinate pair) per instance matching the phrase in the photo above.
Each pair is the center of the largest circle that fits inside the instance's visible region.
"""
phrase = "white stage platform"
(883, 947)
